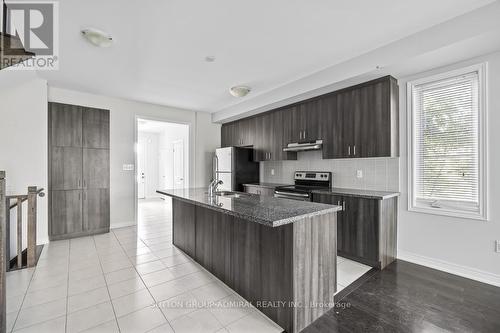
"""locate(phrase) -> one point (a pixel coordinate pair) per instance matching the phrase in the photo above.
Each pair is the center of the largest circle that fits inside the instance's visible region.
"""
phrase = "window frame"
(420, 207)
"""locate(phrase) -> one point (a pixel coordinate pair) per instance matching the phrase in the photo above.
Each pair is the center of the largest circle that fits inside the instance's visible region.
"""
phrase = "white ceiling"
(160, 45)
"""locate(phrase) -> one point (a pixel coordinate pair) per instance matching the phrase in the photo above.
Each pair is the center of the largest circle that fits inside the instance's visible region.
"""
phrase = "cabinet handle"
(349, 151)
(84, 183)
(79, 182)
(304, 134)
(354, 150)
(269, 155)
(343, 205)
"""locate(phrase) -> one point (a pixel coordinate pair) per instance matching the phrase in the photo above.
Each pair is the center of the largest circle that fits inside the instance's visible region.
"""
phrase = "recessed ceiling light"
(239, 91)
(97, 37)
(210, 58)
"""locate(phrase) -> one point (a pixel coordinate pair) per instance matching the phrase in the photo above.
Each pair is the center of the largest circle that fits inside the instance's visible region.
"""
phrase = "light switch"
(128, 167)
(272, 172)
(359, 173)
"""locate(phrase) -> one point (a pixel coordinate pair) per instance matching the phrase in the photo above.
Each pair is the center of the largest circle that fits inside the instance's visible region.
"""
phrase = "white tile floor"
(111, 283)
(129, 280)
(348, 271)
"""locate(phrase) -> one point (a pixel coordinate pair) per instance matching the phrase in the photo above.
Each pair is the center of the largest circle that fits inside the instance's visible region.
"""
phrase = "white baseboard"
(122, 224)
(448, 267)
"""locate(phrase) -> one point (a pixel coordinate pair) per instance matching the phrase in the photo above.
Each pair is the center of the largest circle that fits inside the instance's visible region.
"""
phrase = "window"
(447, 138)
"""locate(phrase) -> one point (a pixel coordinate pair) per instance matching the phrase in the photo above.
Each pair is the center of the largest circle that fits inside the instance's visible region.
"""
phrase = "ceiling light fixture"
(239, 91)
(97, 37)
(210, 58)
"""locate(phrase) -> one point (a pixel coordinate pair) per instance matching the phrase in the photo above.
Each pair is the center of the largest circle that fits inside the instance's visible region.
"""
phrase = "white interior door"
(141, 170)
(165, 180)
(178, 164)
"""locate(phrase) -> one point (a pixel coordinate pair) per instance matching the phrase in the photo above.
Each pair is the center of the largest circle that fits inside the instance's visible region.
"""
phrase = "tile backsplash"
(378, 173)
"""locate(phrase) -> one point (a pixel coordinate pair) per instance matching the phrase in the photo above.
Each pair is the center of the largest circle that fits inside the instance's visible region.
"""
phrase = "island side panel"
(388, 210)
(183, 225)
(314, 267)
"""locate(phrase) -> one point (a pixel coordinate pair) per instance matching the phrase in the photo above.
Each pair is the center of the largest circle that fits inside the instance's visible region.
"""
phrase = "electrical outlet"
(272, 172)
(497, 246)
(359, 173)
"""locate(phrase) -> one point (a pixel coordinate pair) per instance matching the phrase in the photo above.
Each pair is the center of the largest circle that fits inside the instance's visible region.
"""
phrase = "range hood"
(303, 146)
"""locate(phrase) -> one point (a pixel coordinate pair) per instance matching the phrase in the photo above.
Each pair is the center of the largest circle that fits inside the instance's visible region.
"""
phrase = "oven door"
(292, 195)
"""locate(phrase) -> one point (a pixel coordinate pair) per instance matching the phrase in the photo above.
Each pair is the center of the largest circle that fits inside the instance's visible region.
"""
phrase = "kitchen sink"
(230, 194)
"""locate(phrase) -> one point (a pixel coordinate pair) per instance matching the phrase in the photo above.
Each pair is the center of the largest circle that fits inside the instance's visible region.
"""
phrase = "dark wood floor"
(406, 297)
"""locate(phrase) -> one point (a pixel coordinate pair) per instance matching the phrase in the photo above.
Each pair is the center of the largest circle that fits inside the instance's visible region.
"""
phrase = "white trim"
(122, 224)
(448, 267)
(482, 215)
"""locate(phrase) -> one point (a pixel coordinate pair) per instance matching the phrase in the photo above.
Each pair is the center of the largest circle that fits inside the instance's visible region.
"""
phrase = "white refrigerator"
(235, 167)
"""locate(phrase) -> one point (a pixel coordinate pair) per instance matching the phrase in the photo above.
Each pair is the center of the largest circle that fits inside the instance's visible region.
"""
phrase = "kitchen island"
(279, 254)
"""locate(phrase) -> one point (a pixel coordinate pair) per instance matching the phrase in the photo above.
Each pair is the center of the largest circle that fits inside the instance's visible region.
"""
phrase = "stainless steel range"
(305, 183)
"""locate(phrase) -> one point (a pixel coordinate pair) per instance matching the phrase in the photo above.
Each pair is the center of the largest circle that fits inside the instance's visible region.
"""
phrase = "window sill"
(448, 213)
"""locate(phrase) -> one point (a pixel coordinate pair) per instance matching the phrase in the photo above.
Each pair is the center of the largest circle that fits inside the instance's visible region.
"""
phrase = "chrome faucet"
(212, 188)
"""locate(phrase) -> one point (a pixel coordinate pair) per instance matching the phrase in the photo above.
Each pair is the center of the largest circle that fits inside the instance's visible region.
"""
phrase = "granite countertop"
(370, 194)
(269, 211)
(268, 185)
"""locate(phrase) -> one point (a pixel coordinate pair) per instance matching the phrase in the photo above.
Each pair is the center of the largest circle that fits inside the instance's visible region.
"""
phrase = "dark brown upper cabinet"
(359, 121)
(240, 133)
(304, 120)
(362, 121)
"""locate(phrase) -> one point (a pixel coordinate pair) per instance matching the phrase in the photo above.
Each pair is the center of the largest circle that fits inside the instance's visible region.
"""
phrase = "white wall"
(152, 144)
(123, 114)
(23, 142)
(456, 245)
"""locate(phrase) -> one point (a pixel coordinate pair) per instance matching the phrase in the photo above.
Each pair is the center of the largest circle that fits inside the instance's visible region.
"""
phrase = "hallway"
(129, 280)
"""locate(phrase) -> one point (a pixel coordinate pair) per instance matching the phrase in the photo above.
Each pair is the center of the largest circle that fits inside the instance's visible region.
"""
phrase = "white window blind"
(446, 143)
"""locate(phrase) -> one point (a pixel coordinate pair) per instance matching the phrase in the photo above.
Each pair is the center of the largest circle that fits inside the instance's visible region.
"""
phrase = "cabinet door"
(298, 124)
(374, 138)
(310, 113)
(95, 168)
(246, 131)
(334, 200)
(262, 143)
(95, 128)
(227, 132)
(96, 210)
(333, 127)
(65, 123)
(361, 229)
(66, 212)
(66, 168)
(346, 105)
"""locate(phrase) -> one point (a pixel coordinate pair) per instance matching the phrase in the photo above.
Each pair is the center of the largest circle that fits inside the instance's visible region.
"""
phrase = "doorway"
(162, 157)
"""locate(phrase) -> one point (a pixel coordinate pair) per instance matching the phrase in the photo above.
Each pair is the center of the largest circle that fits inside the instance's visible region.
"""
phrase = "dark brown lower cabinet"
(366, 228)
(287, 272)
(66, 209)
(96, 210)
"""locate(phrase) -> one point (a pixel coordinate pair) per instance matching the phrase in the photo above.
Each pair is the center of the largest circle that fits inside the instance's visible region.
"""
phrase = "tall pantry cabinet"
(78, 171)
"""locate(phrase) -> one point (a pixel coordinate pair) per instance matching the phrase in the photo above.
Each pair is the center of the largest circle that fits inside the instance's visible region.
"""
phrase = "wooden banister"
(3, 260)
(24, 197)
(31, 250)
(29, 258)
